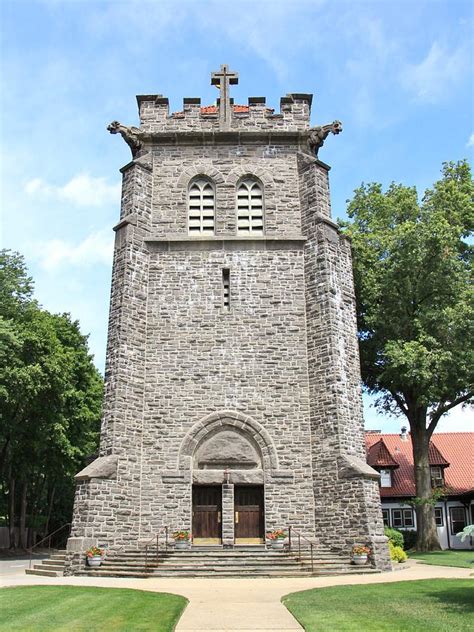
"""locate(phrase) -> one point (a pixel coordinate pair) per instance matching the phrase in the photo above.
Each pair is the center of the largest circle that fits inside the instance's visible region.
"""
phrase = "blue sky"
(398, 74)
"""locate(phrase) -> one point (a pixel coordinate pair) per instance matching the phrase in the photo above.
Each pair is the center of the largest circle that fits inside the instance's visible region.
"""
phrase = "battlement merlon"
(294, 114)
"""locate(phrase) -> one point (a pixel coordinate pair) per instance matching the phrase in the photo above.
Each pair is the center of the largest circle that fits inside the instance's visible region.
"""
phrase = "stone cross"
(224, 78)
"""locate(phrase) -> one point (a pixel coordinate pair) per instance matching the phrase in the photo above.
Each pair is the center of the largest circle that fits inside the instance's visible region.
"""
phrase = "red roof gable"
(452, 450)
(379, 456)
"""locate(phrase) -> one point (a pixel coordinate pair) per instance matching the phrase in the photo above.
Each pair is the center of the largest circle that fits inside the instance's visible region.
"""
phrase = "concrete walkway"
(227, 605)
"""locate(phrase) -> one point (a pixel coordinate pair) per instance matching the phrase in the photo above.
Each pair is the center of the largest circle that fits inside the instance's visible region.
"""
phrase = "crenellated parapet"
(225, 122)
(155, 116)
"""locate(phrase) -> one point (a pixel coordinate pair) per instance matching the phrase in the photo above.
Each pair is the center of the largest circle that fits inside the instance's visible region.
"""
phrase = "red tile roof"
(435, 457)
(379, 456)
(212, 109)
(453, 448)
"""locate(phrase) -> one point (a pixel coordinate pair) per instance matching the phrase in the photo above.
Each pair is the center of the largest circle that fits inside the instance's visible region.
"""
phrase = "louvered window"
(201, 207)
(250, 207)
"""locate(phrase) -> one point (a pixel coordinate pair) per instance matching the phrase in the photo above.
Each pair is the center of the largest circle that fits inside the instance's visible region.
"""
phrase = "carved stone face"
(113, 127)
(336, 127)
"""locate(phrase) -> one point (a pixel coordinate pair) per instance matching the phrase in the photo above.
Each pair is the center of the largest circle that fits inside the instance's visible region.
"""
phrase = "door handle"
(236, 517)
(219, 517)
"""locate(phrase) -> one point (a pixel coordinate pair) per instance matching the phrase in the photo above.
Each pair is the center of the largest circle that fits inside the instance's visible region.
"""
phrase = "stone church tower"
(233, 401)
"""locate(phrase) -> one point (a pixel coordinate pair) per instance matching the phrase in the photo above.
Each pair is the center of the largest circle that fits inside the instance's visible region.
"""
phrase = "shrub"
(397, 554)
(409, 538)
(395, 537)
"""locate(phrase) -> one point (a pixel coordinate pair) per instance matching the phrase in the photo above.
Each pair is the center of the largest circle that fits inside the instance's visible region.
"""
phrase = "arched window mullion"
(201, 207)
(249, 207)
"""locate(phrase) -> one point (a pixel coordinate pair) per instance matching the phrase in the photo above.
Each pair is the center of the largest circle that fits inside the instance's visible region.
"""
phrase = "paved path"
(228, 605)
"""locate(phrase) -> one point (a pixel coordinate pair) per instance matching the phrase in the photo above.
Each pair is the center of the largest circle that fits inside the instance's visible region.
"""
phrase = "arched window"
(250, 207)
(201, 207)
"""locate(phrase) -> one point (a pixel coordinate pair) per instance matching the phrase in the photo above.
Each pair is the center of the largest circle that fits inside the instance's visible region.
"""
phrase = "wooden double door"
(248, 514)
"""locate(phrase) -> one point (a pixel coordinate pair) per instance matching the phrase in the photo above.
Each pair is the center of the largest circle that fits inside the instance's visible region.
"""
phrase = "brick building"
(451, 456)
(233, 401)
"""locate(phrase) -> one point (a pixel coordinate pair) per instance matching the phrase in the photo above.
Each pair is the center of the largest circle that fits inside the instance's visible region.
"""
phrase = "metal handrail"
(48, 537)
(291, 533)
(156, 538)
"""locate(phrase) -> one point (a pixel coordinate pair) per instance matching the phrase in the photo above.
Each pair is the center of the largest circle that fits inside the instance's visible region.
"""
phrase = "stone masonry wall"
(347, 502)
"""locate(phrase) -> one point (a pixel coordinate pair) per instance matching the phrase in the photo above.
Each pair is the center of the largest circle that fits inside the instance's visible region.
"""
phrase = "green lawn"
(412, 606)
(463, 559)
(76, 608)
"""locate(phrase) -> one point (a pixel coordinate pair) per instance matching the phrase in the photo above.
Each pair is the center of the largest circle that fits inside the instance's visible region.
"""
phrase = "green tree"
(50, 401)
(413, 278)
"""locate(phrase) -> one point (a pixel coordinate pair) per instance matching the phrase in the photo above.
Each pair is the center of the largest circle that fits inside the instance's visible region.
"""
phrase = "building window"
(201, 207)
(457, 518)
(385, 478)
(403, 519)
(226, 288)
(438, 514)
(250, 207)
(437, 476)
(386, 517)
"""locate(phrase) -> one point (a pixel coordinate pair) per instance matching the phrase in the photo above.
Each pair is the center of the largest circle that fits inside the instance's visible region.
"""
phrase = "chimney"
(404, 433)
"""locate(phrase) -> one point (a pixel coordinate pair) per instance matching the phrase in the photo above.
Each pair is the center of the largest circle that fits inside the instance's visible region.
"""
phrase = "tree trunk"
(35, 500)
(427, 534)
(50, 509)
(23, 505)
(11, 513)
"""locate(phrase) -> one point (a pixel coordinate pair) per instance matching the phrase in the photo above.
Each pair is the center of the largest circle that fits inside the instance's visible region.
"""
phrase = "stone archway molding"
(200, 169)
(250, 169)
(228, 419)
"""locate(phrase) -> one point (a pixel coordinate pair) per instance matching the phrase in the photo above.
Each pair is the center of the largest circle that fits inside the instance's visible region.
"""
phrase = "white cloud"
(459, 419)
(96, 248)
(81, 190)
(470, 142)
(433, 78)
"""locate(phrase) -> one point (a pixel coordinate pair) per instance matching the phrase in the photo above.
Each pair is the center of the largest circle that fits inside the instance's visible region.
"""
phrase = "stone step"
(58, 556)
(46, 566)
(43, 573)
(223, 573)
(224, 555)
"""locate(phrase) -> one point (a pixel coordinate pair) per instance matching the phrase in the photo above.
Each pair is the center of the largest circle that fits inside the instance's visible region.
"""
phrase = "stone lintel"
(216, 477)
(102, 467)
(322, 164)
(149, 97)
(257, 100)
(353, 467)
(322, 219)
(301, 96)
(136, 163)
(131, 218)
(230, 244)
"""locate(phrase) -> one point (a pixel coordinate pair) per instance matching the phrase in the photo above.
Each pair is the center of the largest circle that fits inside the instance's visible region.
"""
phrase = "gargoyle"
(131, 135)
(318, 134)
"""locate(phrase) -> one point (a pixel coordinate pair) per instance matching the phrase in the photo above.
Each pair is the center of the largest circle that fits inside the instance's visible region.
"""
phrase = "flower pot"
(94, 561)
(359, 560)
(181, 545)
(278, 545)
